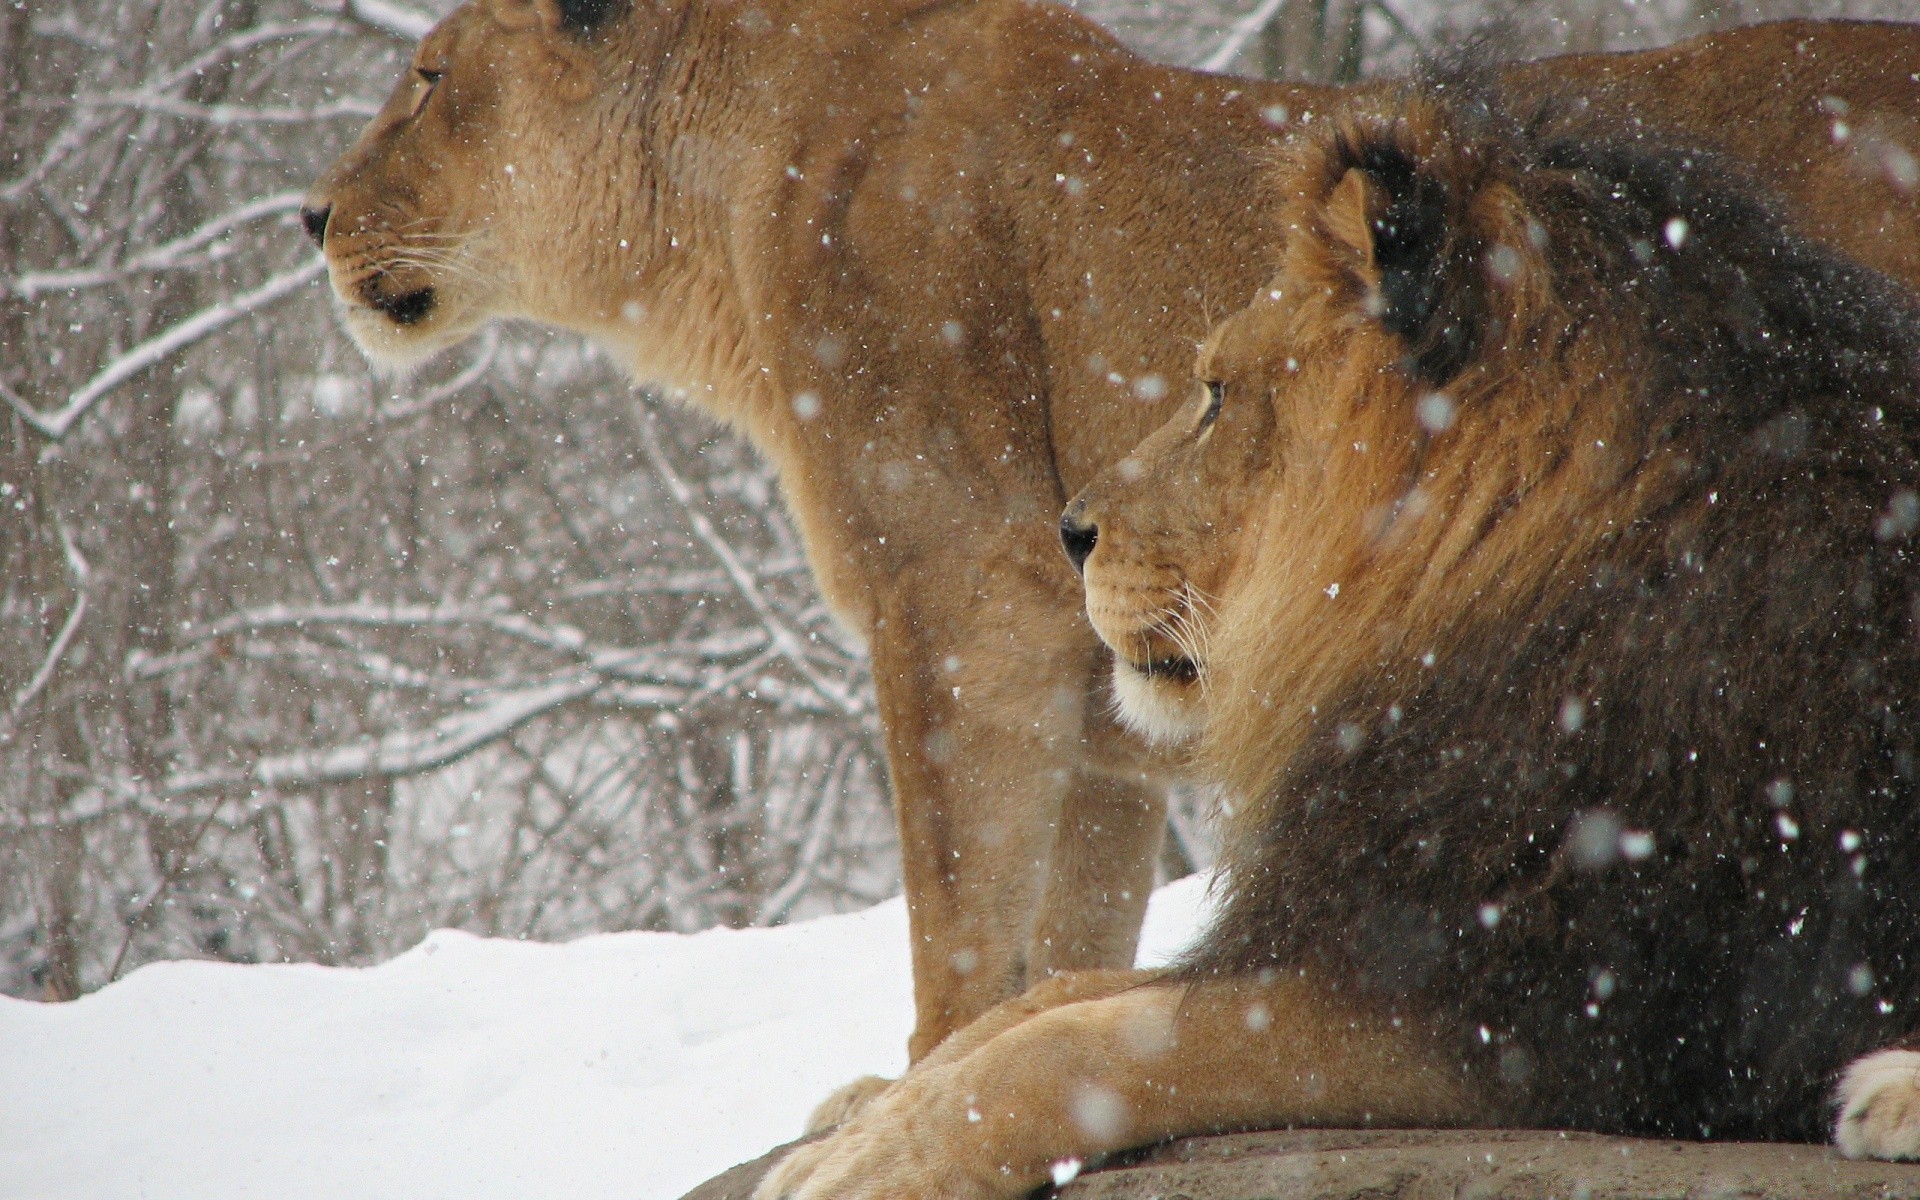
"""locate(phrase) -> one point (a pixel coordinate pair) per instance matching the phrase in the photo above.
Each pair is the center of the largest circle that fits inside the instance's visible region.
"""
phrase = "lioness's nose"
(315, 220)
(1078, 539)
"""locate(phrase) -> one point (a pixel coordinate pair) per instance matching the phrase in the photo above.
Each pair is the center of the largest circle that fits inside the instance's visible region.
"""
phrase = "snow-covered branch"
(77, 568)
(399, 754)
(1243, 31)
(238, 43)
(777, 905)
(55, 425)
(236, 114)
(166, 256)
(790, 644)
(494, 615)
(396, 20)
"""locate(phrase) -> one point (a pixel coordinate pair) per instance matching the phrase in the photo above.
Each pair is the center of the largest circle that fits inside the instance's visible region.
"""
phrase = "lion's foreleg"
(1148, 1063)
(1075, 987)
(847, 1103)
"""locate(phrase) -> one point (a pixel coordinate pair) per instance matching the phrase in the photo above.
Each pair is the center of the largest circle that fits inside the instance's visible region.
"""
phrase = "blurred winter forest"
(297, 663)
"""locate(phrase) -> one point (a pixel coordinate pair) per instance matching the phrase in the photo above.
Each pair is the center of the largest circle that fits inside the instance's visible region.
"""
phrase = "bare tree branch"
(400, 754)
(233, 114)
(395, 20)
(56, 425)
(165, 256)
(790, 644)
(1243, 31)
(776, 906)
(77, 567)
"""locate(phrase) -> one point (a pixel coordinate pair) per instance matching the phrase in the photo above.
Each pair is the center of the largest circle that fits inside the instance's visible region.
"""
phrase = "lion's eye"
(1216, 392)
(427, 77)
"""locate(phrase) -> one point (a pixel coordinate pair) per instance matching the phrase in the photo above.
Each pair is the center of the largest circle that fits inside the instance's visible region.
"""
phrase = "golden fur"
(1548, 447)
(939, 262)
(1343, 509)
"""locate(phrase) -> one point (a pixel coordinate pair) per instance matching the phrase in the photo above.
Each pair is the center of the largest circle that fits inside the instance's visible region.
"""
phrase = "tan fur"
(1314, 456)
(1295, 480)
(940, 262)
(1320, 499)
(1325, 505)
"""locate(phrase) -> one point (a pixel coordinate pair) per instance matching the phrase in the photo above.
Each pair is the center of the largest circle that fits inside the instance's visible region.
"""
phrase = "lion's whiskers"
(1198, 600)
(1197, 614)
(1182, 624)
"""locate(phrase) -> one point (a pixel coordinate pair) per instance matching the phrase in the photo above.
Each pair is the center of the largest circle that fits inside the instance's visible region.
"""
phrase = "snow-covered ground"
(627, 1066)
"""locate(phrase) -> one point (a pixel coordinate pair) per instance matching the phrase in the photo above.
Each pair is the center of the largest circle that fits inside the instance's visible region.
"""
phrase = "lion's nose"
(315, 220)
(1078, 539)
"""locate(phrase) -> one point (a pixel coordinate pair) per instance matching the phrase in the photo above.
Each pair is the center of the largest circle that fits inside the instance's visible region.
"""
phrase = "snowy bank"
(627, 1066)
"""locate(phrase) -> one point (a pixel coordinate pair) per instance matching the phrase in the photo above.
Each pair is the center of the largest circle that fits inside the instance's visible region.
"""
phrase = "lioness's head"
(1421, 426)
(490, 184)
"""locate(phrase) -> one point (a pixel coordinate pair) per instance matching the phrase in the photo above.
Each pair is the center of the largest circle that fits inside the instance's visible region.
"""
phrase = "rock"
(1493, 1164)
(737, 1183)
(1478, 1164)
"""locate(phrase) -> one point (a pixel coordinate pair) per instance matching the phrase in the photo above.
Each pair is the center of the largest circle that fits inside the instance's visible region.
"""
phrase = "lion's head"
(1466, 380)
(465, 198)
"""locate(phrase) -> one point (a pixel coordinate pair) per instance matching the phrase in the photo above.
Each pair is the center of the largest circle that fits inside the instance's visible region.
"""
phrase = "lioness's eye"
(1216, 392)
(429, 78)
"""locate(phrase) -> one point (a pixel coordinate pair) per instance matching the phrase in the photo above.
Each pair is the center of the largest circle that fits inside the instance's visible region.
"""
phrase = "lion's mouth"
(1176, 667)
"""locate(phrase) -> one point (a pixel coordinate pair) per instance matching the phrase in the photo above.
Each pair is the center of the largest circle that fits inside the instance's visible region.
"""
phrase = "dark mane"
(1652, 846)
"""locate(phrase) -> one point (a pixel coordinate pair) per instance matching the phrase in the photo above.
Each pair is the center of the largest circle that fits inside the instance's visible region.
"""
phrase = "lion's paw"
(906, 1144)
(791, 1173)
(840, 1107)
(1879, 1102)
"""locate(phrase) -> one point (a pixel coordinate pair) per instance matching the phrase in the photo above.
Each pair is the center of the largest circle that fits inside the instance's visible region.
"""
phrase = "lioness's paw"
(1879, 1101)
(838, 1108)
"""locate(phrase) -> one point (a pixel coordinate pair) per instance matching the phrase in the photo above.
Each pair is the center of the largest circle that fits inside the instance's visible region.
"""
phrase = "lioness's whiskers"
(427, 259)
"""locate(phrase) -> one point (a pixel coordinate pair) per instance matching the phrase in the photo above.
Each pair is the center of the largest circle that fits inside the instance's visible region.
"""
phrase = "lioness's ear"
(581, 18)
(584, 16)
(1408, 225)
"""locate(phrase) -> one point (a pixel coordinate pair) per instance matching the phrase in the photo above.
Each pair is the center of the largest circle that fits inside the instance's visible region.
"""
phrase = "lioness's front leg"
(1099, 873)
(1150, 1062)
(982, 705)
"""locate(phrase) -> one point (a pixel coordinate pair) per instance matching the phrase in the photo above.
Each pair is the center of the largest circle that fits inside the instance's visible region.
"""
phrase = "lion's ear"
(1406, 224)
(1350, 219)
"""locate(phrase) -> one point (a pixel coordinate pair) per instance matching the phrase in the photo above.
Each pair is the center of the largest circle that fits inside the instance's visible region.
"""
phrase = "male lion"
(938, 261)
(1537, 570)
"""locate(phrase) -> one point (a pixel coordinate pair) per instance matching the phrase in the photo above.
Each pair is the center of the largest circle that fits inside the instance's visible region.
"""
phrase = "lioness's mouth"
(1178, 668)
(407, 308)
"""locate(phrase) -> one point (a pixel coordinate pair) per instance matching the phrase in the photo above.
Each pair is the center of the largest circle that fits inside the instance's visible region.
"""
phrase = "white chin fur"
(397, 351)
(1879, 1103)
(1152, 708)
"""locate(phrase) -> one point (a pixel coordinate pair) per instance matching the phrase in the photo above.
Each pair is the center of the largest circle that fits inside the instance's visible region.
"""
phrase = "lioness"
(939, 262)
(1537, 569)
